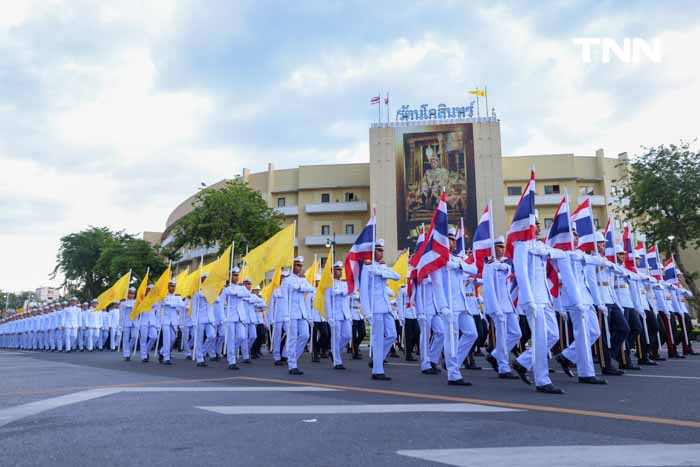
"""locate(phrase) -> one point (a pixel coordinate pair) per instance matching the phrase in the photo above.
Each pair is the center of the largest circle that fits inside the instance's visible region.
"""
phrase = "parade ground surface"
(95, 409)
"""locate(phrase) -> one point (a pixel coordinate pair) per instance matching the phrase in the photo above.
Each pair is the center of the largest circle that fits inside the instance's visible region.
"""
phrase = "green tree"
(663, 189)
(234, 212)
(93, 259)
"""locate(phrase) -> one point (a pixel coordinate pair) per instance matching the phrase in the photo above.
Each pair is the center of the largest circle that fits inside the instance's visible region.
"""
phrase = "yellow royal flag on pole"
(266, 292)
(218, 274)
(325, 283)
(310, 273)
(115, 293)
(401, 268)
(181, 281)
(157, 293)
(140, 294)
(478, 92)
(277, 251)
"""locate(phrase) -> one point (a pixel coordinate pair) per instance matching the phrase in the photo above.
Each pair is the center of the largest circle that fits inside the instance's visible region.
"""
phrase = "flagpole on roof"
(486, 96)
(379, 108)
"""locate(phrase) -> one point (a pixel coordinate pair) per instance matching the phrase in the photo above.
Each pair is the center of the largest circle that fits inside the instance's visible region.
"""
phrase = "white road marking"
(349, 409)
(229, 389)
(12, 414)
(643, 455)
(662, 376)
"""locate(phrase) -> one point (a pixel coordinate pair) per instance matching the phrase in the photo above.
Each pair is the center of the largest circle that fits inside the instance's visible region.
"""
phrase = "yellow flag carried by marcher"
(115, 293)
(401, 268)
(266, 292)
(478, 92)
(181, 281)
(140, 295)
(218, 275)
(278, 251)
(157, 293)
(310, 273)
(325, 282)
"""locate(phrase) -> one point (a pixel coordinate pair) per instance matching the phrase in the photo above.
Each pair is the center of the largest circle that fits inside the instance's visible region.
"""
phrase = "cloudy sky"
(111, 113)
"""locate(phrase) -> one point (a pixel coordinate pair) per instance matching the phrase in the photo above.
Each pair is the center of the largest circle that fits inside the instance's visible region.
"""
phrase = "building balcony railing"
(596, 200)
(288, 210)
(540, 200)
(318, 240)
(349, 206)
(196, 253)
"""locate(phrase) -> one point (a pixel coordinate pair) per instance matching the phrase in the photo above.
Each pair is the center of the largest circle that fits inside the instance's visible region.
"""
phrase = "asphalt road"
(94, 409)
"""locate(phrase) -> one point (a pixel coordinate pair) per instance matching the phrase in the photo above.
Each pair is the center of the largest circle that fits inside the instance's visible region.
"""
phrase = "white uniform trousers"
(104, 335)
(187, 340)
(202, 345)
(545, 333)
(252, 335)
(94, 338)
(277, 351)
(230, 339)
(241, 343)
(220, 338)
(80, 340)
(115, 335)
(341, 333)
(424, 344)
(586, 332)
(438, 341)
(147, 340)
(168, 332)
(58, 335)
(507, 327)
(297, 336)
(383, 335)
(128, 340)
(70, 335)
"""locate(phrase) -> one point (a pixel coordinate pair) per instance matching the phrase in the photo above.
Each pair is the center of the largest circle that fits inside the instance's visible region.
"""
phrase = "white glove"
(529, 307)
(603, 309)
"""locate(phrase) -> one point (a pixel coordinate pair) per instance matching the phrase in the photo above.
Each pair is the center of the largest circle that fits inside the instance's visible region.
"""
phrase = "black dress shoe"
(296, 371)
(459, 382)
(564, 363)
(127, 359)
(430, 371)
(591, 380)
(214, 358)
(279, 363)
(659, 359)
(201, 364)
(189, 357)
(160, 358)
(370, 364)
(508, 375)
(315, 359)
(167, 362)
(381, 377)
(411, 359)
(631, 367)
(613, 372)
(549, 389)
(473, 366)
(493, 362)
(233, 366)
(339, 367)
(285, 359)
(522, 373)
(247, 360)
(144, 360)
(647, 362)
(435, 367)
(357, 357)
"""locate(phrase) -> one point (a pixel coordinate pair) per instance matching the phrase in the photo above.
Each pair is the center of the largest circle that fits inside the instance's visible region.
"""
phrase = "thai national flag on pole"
(435, 252)
(413, 275)
(641, 251)
(670, 276)
(459, 240)
(583, 218)
(523, 226)
(560, 235)
(375, 100)
(628, 246)
(653, 260)
(482, 242)
(360, 251)
(610, 240)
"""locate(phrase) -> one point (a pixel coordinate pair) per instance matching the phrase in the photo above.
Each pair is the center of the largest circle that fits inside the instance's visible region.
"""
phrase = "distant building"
(47, 294)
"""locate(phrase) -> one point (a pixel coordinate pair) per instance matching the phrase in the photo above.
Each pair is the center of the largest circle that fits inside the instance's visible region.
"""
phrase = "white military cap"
(149, 286)
(338, 264)
(132, 289)
(85, 303)
(172, 282)
(599, 237)
(537, 214)
(299, 259)
(500, 240)
(74, 299)
(235, 270)
(94, 300)
(379, 243)
(451, 232)
(317, 277)
(247, 279)
(618, 248)
(257, 287)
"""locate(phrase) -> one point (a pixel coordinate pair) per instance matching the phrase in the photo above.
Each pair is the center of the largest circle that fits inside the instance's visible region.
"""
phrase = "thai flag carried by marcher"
(670, 276)
(459, 240)
(628, 246)
(560, 235)
(435, 251)
(585, 228)
(413, 275)
(653, 260)
(641, 251)
(523, 226)
(482, 243)
(610, 240)
(360, 251)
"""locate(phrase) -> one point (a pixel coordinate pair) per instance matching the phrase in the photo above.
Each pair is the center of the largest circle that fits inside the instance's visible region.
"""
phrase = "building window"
(325, 230)
(349, 229)
(596, 222)
(551, 189)
(586, 191)
(515, 190)
(281, 202)
(350, 197)
(547, 222)
(325, 197)
(618, 224)
(613, 190)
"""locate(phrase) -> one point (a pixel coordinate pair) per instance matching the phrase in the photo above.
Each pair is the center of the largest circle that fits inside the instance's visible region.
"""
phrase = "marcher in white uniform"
(71, 323)
(373, 279)
(249, 319)
(279, 314)
(203, 318)
(94, 326)
(337, 302)
(129, 327)
(148, 333)
(293, 288)
(232, 297)
(168, 311)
